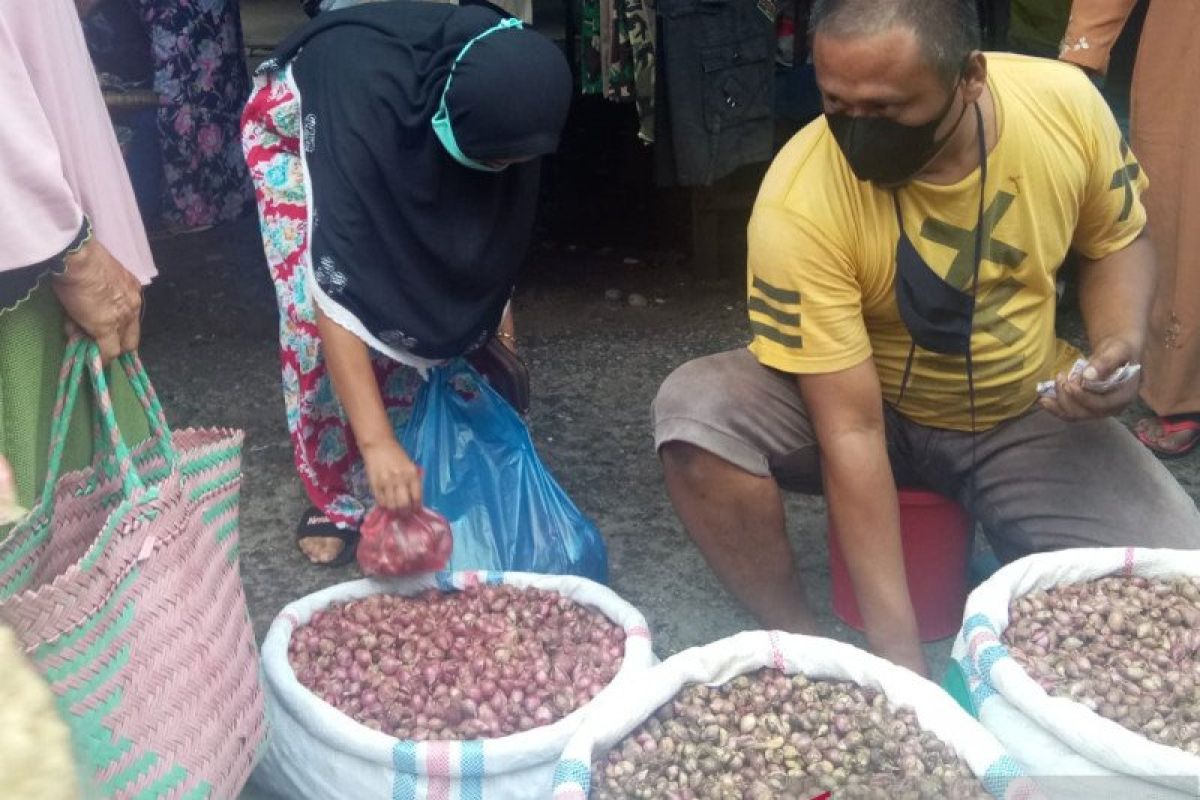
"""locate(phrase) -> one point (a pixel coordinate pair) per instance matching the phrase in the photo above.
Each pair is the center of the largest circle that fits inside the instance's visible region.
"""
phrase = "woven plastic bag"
(318, 753)
(717, 663)
(122, 587)
(483, 474)
(1074, 752)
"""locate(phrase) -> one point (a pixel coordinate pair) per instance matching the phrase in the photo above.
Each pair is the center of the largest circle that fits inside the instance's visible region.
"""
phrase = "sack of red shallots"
(771, 716)
(459, 684)
(1084, 664)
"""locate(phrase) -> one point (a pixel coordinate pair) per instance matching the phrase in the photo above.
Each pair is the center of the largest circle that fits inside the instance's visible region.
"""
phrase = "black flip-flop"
(315, 525)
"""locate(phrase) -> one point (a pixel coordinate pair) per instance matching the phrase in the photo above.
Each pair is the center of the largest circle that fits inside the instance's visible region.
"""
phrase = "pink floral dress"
(327, 457)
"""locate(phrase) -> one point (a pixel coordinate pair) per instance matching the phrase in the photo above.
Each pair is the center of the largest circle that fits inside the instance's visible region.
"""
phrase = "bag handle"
(135, 372)
(144, 391)
(109, 442)
(160, 432)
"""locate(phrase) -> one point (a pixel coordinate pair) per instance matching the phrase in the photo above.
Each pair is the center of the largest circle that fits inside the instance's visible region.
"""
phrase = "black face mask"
(886, 152)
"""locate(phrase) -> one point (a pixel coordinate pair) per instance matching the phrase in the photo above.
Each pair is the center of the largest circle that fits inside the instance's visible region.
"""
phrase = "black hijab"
(420, 250)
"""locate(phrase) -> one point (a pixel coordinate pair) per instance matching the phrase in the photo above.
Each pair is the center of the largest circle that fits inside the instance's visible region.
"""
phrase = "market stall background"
(606, 309)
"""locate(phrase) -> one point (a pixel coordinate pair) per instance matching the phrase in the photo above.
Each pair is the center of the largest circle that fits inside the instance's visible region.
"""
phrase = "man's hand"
(102, 299)
(1115, 294)
(395, 480)
(904, 652)
(1075, 401)
(846, 410)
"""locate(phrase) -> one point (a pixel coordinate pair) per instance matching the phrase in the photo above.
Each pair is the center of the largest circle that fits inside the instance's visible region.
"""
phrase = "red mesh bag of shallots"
(404, 544)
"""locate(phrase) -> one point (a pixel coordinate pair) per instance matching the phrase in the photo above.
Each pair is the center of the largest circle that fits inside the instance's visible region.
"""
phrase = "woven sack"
(123, 588)
(724, 660)
(318, 753)
(1074, 752)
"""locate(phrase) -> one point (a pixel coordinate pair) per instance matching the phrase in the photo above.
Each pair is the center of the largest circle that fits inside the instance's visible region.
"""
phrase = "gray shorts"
(1040, 483)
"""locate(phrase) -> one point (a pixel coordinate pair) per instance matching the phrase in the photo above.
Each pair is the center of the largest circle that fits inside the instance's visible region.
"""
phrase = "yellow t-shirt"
(822, 248)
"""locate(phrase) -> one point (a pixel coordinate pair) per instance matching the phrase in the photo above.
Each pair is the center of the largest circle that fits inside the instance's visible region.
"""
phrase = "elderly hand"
(102, 299)
(1075, 401)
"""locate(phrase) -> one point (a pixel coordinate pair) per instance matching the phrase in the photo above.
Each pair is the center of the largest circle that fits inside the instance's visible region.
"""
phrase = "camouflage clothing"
(618, 55)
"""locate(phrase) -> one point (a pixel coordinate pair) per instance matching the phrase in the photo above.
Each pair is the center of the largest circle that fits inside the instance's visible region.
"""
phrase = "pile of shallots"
(770, 735)
(1126, 647)
(473, 664)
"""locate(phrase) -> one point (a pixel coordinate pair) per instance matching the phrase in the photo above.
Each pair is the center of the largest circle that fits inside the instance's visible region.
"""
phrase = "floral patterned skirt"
(200, 74)
(327, 457)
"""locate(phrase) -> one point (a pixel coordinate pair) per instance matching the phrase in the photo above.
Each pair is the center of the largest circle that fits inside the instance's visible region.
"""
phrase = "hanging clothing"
(61, 182)
(617, 57)
(1035, 27)
(638, 20)
(1165, 128)
(200, 73)
(593, 40)
(411, 251)
(520, 9)
(716, 61)
(120, 47)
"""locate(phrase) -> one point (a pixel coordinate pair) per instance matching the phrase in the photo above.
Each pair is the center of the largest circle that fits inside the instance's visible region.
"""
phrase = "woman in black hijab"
(395, 151)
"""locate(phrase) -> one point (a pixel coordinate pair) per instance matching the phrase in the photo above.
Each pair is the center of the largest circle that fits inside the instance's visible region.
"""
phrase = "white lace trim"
(336, 312)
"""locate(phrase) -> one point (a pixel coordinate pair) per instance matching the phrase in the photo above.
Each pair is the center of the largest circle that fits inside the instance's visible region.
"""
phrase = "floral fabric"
(200, 74)
(326, 455)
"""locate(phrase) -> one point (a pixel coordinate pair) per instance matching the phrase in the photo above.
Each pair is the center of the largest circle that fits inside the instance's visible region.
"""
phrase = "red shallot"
(393, 544)
(473, 664)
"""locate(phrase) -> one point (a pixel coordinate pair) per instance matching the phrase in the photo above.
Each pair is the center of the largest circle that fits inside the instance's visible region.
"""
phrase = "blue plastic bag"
(483, 474)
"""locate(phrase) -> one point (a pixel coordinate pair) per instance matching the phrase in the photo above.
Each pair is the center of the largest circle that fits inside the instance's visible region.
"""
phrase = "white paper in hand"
(1120, 376)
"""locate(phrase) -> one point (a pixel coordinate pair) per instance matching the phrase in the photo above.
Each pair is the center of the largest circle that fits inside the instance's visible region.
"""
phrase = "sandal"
(1160, 434)
(315, 525)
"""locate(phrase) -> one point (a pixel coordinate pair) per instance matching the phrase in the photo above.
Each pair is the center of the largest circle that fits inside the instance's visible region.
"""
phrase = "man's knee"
(719, 405)
(694, 392)
(686, 461)
(1155, 508)
(1172, 519)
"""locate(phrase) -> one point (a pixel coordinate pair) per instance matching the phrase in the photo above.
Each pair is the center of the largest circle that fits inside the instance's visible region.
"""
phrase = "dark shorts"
(1040, 483)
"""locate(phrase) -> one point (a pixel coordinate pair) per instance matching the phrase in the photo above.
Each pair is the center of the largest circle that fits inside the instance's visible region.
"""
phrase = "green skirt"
(32, 343)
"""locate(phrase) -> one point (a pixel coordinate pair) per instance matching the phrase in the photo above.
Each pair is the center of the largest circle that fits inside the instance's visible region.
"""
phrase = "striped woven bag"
(123, 587)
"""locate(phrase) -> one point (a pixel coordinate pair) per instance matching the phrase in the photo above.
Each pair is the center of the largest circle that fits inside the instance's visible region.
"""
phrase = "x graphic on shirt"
(1123, 178)
(963, 242)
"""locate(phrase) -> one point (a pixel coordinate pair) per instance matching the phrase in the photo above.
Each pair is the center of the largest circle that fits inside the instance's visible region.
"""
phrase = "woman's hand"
(395, 480)
(102, 299)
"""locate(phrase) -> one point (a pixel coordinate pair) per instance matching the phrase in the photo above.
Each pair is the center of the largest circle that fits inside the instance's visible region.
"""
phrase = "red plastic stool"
(936, 542)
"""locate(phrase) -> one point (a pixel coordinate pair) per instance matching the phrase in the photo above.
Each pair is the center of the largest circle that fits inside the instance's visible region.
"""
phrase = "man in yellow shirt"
(903, 256)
